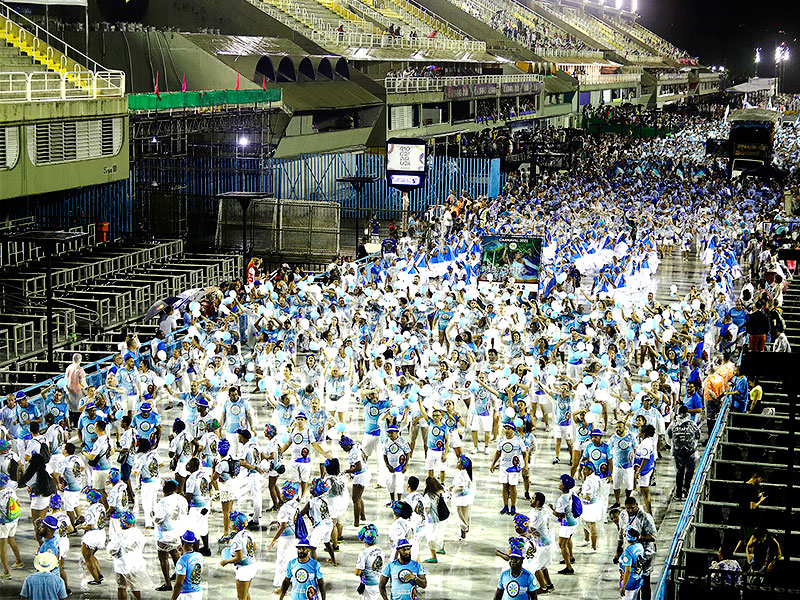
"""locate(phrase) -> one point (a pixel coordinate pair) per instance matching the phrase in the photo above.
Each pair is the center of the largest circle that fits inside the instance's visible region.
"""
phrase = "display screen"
(405, 157)
(511, 257)
(396, 179)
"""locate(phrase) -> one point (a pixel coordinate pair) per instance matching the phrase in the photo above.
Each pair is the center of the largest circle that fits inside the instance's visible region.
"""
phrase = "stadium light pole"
(758, 60)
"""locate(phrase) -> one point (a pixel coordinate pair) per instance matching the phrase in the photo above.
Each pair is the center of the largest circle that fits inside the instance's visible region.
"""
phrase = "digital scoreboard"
(406, 163)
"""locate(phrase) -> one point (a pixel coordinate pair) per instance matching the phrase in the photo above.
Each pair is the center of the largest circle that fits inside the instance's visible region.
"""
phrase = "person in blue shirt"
(48, 528)
(188, 569)
(631, 565)
(304, 575)
(739, 392)
(693, 401)
(405, 575)
(27, 413)
(623, 451)
(56, 405)
(86, 425)
(147, 424)
(515, 582)
(598, 453)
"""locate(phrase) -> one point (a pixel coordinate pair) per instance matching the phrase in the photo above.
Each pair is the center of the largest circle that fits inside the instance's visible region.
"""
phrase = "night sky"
(727, 33)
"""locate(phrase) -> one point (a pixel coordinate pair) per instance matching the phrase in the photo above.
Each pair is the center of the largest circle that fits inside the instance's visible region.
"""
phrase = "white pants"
(199, 521)
(149, 495)
(396, 483)
(254, 486)
(605, 488)
(286, 552)
(233, 438)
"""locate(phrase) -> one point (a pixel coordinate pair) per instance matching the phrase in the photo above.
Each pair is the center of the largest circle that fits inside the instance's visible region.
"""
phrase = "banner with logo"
(511, 256)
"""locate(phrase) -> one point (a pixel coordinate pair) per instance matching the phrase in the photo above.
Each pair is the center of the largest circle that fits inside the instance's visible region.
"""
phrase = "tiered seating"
(95, 287)
(596, 29)
(645, 36)
(321, 16)
(749, 441)
(411, 17)
(31, 69)
(536, 33)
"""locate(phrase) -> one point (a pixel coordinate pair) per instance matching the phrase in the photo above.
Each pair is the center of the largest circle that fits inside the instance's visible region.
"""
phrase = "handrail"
(600, 78)
(689, 509)
(39, 33)
(50, 86)
(432, 20)
(546, 52)
(406, 85)
(371, 40)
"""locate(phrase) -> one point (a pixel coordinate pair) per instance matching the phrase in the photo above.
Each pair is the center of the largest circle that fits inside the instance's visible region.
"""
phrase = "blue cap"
(596, 432)
(301, 415)
(568, 482)
(304, 543)
(202, 402)
(90, 406)
(145, 407)
(403, 543)
(20, 395)
(392, 428)
(515, 553)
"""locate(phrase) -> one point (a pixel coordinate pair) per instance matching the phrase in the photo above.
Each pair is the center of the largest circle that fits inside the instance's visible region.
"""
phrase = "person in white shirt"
(170, 516)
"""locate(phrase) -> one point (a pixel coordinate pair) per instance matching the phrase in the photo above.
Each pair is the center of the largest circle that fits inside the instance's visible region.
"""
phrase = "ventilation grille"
(9, 147)
(70, 141)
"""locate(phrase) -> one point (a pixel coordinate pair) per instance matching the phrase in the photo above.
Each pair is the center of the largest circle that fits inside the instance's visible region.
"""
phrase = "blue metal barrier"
(692, 498)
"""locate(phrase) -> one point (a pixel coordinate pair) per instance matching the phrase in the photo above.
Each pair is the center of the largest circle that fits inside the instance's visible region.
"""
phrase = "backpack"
(683, 439)
(442, 510)
(577, 506)
(13, 510)
(45, 452)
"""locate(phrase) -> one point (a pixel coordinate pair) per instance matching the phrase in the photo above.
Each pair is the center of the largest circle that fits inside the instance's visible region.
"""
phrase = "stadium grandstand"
(457, 294)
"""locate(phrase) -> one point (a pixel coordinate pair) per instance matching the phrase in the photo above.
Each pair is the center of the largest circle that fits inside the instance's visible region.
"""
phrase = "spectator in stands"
(750, 498)
(684, 434)
(758, 328)
(361, 251)
(724, 571)
(169, 320)
(781, 343)
(763, 551)
(76, 387)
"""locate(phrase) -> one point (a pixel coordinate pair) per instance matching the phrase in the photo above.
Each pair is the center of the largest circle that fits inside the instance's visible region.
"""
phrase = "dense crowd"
(291, 394)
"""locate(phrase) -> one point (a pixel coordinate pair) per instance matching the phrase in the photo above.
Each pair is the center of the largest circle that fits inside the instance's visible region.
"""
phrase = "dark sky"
(727, 33)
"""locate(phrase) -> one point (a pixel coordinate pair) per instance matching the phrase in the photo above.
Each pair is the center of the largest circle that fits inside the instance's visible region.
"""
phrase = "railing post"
(28, 87)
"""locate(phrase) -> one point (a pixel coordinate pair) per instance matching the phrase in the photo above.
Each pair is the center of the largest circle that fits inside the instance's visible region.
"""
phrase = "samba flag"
(264, 82)
(237, 80)
(183, 85)
(156, 90)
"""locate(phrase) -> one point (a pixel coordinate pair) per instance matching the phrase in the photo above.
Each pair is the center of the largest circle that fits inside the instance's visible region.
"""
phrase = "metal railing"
(372, 40)
(601, 78)
(430, 19)
(674, 77)
(411, 85)
(692, 499)
(35, 32)
(643, 58)
(309, 19)
(547, 52)
(50, 86)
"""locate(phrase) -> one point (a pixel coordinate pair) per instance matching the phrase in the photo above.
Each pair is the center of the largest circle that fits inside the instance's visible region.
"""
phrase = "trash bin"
(101, 231)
